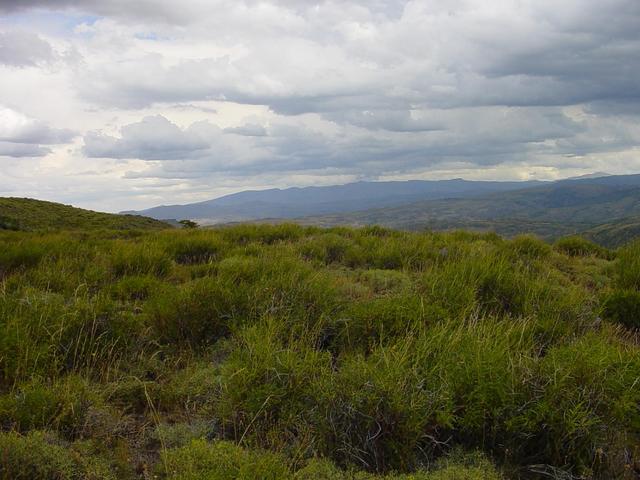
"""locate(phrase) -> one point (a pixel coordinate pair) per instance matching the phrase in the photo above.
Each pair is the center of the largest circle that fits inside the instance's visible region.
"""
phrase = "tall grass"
(277, 351)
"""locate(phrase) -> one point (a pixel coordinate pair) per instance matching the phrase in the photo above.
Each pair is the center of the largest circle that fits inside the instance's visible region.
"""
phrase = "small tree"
(188, 224)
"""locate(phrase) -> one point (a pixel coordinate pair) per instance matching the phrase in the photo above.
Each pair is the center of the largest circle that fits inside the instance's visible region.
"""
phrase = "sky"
(116, 105)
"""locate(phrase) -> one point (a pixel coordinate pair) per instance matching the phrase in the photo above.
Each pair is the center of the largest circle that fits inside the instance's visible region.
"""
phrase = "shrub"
(189, 248)
(580, 247)
(623, 306)
(367, 323)
(15, 255)
(265, 393)
(530, 247)
(585, 406)
(42, 456)
(139, 259)
(62, 406)
(628, 267)
(132, 288)
(221, 461)
(373, 412)
(196, 314)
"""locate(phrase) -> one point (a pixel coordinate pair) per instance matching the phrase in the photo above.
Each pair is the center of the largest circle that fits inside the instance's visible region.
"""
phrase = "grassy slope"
(30, 214)
(277, 352)
(549, 212)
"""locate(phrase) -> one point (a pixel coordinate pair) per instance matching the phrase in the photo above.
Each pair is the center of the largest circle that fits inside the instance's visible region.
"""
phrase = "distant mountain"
(30, 214)
(598, 207)
(300, 202)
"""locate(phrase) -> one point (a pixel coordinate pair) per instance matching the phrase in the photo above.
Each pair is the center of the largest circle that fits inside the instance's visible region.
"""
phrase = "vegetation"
(604, 210)
(262, 351)
(29, 214)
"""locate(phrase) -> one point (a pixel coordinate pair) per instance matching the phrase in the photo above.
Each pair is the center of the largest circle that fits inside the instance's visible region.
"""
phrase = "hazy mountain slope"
(298, 202)
(615, 234)
(561, 208)
(30, 214)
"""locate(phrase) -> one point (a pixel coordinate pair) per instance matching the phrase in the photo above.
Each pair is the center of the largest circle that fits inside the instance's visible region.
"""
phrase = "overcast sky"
(116, 104)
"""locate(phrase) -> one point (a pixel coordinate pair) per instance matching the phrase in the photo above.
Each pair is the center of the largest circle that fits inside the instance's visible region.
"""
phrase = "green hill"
(29, 214)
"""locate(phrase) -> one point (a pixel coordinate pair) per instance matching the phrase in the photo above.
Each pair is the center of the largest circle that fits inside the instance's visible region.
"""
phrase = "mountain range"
(301, 202)
(606, 209)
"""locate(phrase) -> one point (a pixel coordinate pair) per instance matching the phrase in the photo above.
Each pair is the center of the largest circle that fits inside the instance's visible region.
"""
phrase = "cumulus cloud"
(22, 136)
(153, 138)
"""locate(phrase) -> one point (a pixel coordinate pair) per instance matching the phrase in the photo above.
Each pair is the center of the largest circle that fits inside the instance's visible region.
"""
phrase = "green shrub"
(580, 247)
(42, 456)
(200, 460)
(62, 406)
(373, 412)
(530, 247)
(196, 314)
(367, 323)
(623, 306)
(45, 335)
(132, 288)
(265, 388)
(266, 234)
(16, 254)
(189, 248)
(585, 406)
(628, 267)
(139, 259)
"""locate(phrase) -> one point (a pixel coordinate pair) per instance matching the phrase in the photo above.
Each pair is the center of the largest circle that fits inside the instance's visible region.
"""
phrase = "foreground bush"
(288, 352)
(41, 456)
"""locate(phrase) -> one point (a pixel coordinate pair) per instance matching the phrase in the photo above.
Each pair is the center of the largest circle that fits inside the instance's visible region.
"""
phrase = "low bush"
(42, 456)
(200, 460)
(623, 307)
(627, 268)
(580, 247)
(139, 259)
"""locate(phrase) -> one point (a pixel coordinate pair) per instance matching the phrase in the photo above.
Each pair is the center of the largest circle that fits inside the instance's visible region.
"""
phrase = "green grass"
(29, 214)
(280, 351)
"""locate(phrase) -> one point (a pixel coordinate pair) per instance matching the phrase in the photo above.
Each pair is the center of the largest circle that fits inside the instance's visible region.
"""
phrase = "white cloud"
(210, 93)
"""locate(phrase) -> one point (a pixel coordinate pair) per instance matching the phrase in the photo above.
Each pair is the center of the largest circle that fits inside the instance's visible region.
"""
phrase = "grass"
(31, 215)
(279, 351)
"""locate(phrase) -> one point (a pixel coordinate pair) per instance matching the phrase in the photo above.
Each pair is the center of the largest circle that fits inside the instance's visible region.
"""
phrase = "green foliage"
(580, 247)
(188, 224)
(623, 306)
(628, 267)
(372, 351)
(42, 456)
(29, 214)
(221, 461)
(139, 259)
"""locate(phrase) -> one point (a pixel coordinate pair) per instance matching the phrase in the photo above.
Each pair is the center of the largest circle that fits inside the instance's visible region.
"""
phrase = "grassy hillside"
(551, 211)
(280, 352)
(30, 214)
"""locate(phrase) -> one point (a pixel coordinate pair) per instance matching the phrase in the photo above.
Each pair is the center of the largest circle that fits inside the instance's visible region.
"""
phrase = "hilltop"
(29, 214)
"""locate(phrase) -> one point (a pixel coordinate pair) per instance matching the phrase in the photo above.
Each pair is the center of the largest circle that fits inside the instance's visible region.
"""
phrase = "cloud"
(248, 130)
(18, 128)
(24, 49)
(203, 92)
(22, 136)
(18, 150)
(153, 138)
